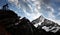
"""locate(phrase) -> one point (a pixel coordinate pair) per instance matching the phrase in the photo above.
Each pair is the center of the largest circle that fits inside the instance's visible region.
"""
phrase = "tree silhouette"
(5, 7)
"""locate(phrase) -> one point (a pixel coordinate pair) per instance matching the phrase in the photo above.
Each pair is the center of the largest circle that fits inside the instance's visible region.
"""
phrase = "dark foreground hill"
(11, 24)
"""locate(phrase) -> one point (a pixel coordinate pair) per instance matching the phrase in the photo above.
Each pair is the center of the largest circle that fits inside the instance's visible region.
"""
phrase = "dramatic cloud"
(51, 11)
(32, 8)
(14, 1)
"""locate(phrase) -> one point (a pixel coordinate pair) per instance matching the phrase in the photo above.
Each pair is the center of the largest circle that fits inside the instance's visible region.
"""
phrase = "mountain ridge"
(46, 24)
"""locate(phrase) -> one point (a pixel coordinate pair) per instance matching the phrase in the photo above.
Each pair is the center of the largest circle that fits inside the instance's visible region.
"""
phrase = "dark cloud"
(57, 1)
(46, 1)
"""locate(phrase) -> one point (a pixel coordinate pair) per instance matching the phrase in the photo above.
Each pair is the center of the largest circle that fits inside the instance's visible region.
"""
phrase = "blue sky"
(32, 9)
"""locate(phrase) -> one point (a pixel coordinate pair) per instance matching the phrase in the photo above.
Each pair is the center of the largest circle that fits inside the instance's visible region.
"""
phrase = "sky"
(32, 9)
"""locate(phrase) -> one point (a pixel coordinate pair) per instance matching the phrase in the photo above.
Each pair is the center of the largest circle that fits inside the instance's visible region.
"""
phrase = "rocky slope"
(47, 25)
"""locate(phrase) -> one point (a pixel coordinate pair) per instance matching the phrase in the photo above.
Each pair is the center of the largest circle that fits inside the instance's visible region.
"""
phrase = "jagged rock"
(38, 20)
(48, 25)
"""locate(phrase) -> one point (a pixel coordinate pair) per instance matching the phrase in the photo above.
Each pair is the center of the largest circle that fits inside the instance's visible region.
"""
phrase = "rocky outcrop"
(47, 25)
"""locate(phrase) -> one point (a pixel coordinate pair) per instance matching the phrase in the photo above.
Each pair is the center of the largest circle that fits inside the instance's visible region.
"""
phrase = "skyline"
(32, 9)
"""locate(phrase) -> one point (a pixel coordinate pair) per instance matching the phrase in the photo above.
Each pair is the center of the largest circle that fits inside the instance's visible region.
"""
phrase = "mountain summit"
(38, 20)
(46, 24)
